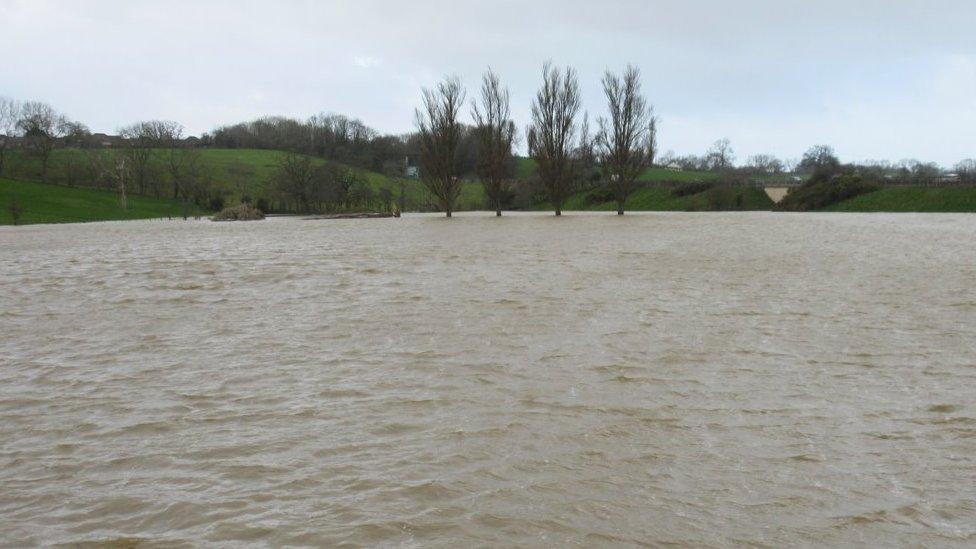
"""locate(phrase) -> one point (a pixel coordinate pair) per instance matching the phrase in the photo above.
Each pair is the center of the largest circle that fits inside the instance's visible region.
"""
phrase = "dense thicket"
(823, 192)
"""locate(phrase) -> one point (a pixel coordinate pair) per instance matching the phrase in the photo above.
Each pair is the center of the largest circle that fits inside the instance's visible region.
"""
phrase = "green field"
(260, 166)
(41, 203)
(911, 199)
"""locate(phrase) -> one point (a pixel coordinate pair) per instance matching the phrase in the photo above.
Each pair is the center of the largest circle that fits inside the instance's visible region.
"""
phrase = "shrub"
(262, 205)
(599, 195)
(216, 204)
(724, 197)
(817, 194)
(688, 189)
(240, 212)
(15, 210)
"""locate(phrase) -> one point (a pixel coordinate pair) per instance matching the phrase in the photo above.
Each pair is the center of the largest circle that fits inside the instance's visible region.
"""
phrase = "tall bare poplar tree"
(623, 137)
(652, 152)
(552, 133)
(440, 137)
(495, 131)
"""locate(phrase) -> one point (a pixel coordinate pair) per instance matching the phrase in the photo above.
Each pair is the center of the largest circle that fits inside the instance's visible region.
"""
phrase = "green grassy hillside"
(238, 171)
(42, 203)
(911, 199)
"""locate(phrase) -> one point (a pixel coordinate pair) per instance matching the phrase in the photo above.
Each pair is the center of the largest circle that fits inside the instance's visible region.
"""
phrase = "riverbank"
(911, 199)
(42, 203)
(45, 203)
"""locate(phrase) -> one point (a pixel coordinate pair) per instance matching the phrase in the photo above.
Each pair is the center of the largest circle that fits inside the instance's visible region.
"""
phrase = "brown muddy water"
(699, 379)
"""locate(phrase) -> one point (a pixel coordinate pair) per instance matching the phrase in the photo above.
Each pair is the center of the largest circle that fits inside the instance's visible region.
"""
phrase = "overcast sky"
(876, 79)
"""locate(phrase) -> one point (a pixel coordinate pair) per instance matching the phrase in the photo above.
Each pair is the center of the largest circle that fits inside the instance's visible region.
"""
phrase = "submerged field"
(664, 379)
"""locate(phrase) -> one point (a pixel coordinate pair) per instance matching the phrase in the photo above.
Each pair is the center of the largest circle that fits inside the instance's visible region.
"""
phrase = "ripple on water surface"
(698, 379)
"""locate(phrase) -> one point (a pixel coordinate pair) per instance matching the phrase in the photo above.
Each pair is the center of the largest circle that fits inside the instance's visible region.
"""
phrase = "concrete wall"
(777, 193)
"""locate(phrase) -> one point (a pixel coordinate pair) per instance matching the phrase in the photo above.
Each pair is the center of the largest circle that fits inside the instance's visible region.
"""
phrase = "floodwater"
(696, 379)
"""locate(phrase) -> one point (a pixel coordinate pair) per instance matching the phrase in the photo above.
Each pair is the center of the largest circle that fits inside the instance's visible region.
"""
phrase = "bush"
(263, 205)
(240, 212)
(600, 195)
(688, 189)
(818, 194)
(15, 210)
(724, 198)
(216, 204)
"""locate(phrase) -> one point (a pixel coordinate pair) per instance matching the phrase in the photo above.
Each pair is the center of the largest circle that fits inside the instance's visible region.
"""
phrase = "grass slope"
(911, 199)
(261, 165)
(54, 204)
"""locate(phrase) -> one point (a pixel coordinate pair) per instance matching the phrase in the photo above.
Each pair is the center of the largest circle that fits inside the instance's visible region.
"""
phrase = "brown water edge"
(705, 379)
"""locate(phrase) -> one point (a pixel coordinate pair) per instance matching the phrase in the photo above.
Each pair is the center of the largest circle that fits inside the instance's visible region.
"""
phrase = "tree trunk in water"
(498, 212)
(448, 213)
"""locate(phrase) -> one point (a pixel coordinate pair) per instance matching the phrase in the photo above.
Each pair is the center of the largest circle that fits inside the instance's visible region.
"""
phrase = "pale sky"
(877, 79)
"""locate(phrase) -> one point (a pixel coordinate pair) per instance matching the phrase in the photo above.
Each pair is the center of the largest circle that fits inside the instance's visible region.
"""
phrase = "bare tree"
(9, 117)
(765, 164)
(187, 172)
(495, 131)
(552, 133)
(294, 180)
(440, 137)
(142, 139)
(720, 156)
(966, 169)
(652, 152)
(169, 136)
(623, 137)
(120, 175)
(97, 172)
(583, 160)
(41, 127)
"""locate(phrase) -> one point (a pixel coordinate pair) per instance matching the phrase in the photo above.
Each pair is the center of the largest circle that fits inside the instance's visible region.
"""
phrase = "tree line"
(156, 158)
(150, 158)
(567, 156)
(569, 159)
